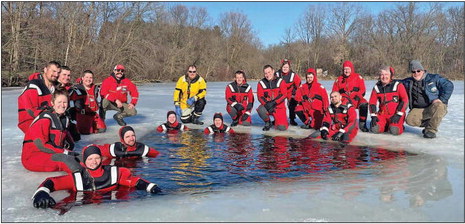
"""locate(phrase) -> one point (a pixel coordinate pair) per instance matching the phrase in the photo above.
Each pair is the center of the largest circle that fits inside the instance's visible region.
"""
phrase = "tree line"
(156, 42)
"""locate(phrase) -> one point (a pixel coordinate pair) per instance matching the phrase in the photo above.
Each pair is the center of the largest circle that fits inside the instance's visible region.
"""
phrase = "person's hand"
(374, 121)
(436, 100)
(42, 199)
(338, 136)
(155, 189)
(118, 103)
(305, 97)
(191, 101)
(395, 119)
(130, 106)
(270, 106)
(244, 117)
(324, 134)
(71, 153)
(239, 107)
(178, 110)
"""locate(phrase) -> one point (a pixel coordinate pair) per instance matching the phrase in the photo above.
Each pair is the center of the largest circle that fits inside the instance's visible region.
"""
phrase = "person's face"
(64, 77)
(310, 77)
(347, 71)
(218, 122)
(269, 73)
(119, 73)
(286, 68)
(335, 98)
(93, 161)
(417, 74)
(51, 73)
(385, 77)
(87, 79)
(191, 72)
(60, 103)
(129, 138)
(239, 78)
(172, 118)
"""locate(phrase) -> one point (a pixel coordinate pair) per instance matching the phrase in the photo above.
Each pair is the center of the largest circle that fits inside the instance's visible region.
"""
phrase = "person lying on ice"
(393, 101)
(172, 126)
(127, 147)
(218, 126)
(92, 177)
(339, 123)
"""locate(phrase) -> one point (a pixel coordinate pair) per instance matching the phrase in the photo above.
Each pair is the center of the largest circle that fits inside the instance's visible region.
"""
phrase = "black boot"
(195, 120)
(292, 122)
(235, 123)
(363, 126)
(119, 119)
(268, 125)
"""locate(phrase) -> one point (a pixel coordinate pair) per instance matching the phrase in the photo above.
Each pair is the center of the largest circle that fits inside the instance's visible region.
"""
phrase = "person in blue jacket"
(428, 97)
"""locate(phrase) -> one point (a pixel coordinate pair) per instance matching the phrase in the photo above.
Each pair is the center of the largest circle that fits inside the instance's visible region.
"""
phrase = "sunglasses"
(192, 71)
(119, 70)
(417, 71)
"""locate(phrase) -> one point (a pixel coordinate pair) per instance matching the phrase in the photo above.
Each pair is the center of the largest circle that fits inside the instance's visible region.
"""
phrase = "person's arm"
(42, 198)
(403, 99)
(178, 91)
(351, 119)
(282, 93)
(250, 99)
(133, 92)
(445, 87)
(40, 135)
(229, 96)
(152, 153)
(260, 94)
(125, 178)
(373, 102)
(202, 89)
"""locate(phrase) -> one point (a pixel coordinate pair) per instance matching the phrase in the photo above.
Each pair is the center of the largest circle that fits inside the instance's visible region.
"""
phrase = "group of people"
(53, 113)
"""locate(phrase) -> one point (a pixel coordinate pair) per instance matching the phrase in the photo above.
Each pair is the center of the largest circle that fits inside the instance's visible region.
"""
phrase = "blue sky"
(270, 19)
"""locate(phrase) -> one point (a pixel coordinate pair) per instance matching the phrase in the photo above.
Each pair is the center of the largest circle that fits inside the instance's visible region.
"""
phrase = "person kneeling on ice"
(393, 101)
(94, 177)
(218, 126)
(339, 122)
(127, 147)
(172, 125)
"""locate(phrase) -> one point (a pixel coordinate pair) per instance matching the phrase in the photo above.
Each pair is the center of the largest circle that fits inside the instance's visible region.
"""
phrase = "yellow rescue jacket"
(186, 89)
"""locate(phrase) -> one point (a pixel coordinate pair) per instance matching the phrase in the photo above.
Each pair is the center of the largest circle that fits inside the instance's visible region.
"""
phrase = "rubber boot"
(268, 125)
(195, 120)
(119, 119)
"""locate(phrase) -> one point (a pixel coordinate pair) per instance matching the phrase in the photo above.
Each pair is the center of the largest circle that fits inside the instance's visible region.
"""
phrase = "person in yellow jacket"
(189, 96)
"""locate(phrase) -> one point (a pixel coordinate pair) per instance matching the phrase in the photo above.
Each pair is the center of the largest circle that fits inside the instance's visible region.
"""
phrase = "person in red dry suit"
(352, 86)
(292, 82)
(218, 126)
(240, 99)
(272, 92)
(393, 102)
(93, 177)
(172, 125)
(313, 101)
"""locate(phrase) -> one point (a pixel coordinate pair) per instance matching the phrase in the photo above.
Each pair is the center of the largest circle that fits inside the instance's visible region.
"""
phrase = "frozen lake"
(276, 177)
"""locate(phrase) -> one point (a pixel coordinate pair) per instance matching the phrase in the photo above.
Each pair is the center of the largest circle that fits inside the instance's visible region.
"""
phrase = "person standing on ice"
(428, 97)
(218, 125)
(339, 123)
(292, 82)
(115, 90)
(240, 99)
(352, 86)
(172, 125)
(393, 101)
(189, 96)
(272, 93)
(313, 101)
(93, 177)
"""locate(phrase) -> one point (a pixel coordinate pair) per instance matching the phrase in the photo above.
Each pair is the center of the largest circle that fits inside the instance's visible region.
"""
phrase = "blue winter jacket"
(436, 87)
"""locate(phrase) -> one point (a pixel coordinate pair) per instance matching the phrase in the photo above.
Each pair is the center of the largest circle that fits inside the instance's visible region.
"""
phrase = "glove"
(374, 121)
(68, 145)
(239, 107)
(178, 110)
(305, 97)
(324, 134)
(395, 119)
(191, 101)
(270, 105)
(155, 189)
(338, 136)
(244, 117)
(42, 199)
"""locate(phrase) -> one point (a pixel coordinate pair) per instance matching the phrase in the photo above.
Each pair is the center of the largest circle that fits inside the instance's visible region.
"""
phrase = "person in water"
(218, 125)
(93, 177)
(171, 125)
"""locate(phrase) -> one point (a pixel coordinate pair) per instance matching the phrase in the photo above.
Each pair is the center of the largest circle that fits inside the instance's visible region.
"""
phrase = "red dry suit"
(292, 81)
(35, 98)
(393, 99)
(172, 128)
(274, 90)
(313, 101)
(86, 106)
(351, 87)
(239, 94)
(222, 129)
(48, 135)
(341, 119)
(36, 75)
(113, 89)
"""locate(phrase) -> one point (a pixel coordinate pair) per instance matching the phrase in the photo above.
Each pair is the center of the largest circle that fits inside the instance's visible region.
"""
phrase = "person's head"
(119, 71)
(65, 75)
(127, 135)
(310, 76)
(218, 119)
(92, 157)
(285, 65)
(385, 74)
(348, 68)
(60, 101)
(335, 97)
(87, 78)
(191, 71)
(268, 72)
(239, 77)
(171, 117)
(51, 71)
(417, 69)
